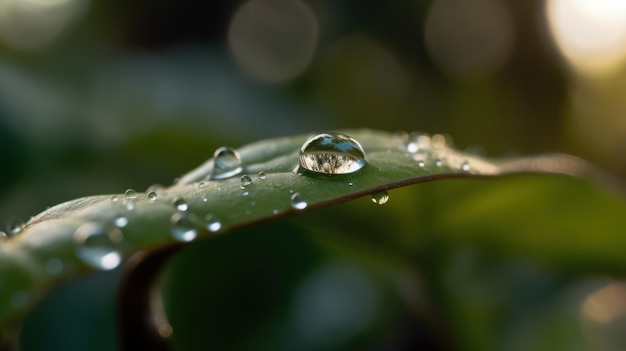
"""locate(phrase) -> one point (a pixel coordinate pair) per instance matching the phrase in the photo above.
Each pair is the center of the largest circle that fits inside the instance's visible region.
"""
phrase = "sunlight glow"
(590, 34)
(32, 25)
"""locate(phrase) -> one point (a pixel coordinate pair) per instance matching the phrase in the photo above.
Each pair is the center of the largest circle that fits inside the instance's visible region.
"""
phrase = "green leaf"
(48, 249)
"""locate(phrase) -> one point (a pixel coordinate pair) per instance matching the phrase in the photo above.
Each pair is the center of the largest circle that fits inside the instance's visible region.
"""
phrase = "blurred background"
(100, 96)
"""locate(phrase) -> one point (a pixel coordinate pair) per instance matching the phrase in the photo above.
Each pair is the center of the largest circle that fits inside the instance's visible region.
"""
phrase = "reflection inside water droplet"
(298, 202)
(262, 176)
(332, 153)
(183, 227)
(227, 163)
(380, 198)
(98, 245)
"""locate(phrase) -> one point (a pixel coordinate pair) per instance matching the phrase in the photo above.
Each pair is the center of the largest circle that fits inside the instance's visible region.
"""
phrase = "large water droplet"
(181, 204)
(245, 180)
(130, 194)
(212, 223)
(152, 196)
(380, 198)
(98, 245)
(298, 202)
(227, 163)
(332, 153)
(183, 227)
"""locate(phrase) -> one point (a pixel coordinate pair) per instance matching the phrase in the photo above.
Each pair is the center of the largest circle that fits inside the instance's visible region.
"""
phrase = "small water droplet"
(98, 245)
(203, 185)
(120, 221)
(54, 266)
(183, 227)
(332, 153)
(465, 167)
(205, 198)
(15, 227)
(245, 193)
(438, 163)
(115, 198)
(3, 236)
(297, 201)
(130, 204)
(275, 211)
(421, 164)
(291, 191)
(227, 163)
(181, 204)
(212, 223)
(245, 181)
(350, 184)
(380, 198)
(152, 196)
(262, 176)
(130, 194)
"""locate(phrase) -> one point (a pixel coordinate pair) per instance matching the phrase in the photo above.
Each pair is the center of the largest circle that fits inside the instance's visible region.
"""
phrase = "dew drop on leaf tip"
(332, 153)
(227, 163)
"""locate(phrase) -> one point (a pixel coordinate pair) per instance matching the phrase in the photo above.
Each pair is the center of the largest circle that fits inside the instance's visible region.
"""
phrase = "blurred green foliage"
(137, 93)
